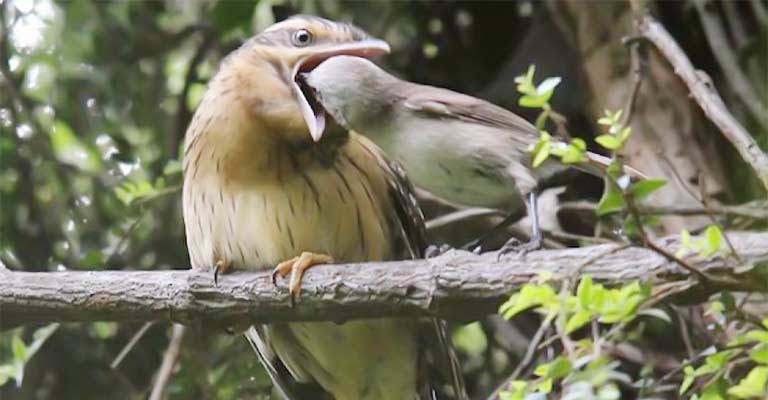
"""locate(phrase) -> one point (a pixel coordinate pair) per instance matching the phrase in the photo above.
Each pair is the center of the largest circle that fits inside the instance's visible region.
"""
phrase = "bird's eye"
(302, 38)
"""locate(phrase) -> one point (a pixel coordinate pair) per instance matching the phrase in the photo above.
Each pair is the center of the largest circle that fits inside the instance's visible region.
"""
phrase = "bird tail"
(597, 164)
(450, 358)
(268, 359)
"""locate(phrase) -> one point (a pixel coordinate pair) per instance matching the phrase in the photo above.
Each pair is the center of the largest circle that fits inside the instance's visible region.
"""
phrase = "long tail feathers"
(451, 359)
(266, 357)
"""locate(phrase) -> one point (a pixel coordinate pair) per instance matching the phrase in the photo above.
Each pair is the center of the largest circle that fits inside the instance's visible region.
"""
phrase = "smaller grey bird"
(460, 148)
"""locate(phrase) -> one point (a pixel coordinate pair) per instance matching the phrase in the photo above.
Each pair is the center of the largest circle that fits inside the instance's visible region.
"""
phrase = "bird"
(461, 148)
(266, 184)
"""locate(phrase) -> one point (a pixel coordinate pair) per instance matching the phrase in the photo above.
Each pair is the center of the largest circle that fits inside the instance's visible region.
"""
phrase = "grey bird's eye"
(301, 38)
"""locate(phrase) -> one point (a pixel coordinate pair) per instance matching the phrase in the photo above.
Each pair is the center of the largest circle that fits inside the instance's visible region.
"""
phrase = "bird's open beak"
(313, 113)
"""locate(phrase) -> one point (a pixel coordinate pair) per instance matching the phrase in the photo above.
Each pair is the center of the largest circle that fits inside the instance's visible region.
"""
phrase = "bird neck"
(249, 130)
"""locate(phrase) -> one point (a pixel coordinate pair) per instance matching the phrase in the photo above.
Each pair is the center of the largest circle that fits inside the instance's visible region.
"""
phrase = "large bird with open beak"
(265, 186)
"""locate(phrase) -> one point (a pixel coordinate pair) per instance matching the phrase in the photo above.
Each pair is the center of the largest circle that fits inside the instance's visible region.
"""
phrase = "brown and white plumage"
(259, 190)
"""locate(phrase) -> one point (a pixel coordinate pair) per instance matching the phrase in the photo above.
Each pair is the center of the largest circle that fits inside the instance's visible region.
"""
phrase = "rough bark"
(454, 285)
(666, 142)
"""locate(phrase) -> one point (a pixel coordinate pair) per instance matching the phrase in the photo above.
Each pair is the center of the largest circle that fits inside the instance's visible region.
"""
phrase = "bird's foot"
(514, 245)
(296, 266)
(475, 246)
(433, 251)
(221, 267)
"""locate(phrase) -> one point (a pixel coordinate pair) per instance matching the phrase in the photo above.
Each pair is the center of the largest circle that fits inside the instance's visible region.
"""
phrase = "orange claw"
(296, 266)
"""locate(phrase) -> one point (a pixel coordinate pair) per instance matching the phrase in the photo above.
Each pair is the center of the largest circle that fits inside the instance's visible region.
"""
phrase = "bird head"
(351, 102)
(299, 44)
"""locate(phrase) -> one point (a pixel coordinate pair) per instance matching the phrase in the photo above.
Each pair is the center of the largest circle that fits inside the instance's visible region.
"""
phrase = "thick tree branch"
(706, 96)
(725, 55)
(454, 285)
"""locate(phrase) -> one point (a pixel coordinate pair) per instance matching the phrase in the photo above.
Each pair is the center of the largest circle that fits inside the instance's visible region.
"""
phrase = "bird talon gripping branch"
(515, 246)
(297, 266)
(222, 267)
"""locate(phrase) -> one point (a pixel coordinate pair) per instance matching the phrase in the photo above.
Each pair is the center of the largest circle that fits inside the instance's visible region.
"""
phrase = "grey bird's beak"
(313, 113)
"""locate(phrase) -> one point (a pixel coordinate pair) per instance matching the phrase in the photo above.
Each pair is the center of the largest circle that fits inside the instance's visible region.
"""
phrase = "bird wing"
(413, 234)
(443, 103)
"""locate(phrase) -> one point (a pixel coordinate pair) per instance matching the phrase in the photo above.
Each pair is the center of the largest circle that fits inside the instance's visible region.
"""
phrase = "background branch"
(455, 285)
(728, 60)
(706, 96)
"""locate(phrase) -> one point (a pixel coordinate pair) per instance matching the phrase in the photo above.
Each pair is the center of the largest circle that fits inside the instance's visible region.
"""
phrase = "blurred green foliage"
(95, 97)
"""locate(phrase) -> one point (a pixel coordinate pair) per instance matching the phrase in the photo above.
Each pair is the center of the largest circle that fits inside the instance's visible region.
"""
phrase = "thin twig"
(752, 210)
(124, 238)
(707, 97)
(131, 344)
(705, 202)
(684, 332)
(527, 358)
(169, 362)
(694, 360)
(629, 200)
(561, 235)
(736, 26)
(636, 73)
(460, 215)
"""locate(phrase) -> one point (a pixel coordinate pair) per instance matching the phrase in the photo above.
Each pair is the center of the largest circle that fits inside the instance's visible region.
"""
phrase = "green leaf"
(69, 150)
(610, 142)
(7, 371)
(713, 391)
(557, 368)
(39, 81)
(530, 295)
(759, 355)
(532, 101)
(577, 320)
(714, 239)
(195, 95)
(645, 187)
(688, 381)
(758, 336)
(530, 73)
(471, 339)
(584, 292)
(575, 152)
(104, 330)
(545, 386)
(753, 385)
(717, 361)
(19, 349)
(610, 118)
(541, 156)
(685, 243)
(624, 134)
(612, 201)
